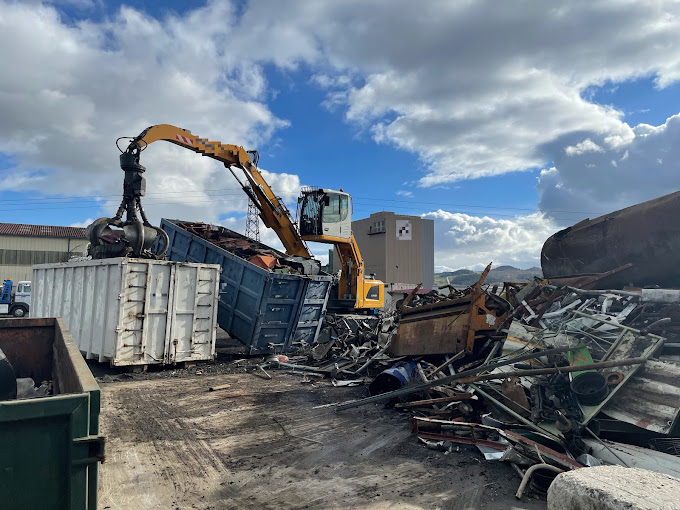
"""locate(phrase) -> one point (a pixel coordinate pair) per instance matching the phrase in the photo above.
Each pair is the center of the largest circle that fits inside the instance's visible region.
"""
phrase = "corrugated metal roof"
(651, 399)
(19, 229)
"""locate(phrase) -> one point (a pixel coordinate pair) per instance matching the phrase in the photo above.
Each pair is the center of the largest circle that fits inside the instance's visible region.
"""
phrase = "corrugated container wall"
(265, 311)
(132, 311)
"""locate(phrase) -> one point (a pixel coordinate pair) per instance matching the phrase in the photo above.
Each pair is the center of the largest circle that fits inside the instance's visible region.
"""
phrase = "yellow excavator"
(324, 215)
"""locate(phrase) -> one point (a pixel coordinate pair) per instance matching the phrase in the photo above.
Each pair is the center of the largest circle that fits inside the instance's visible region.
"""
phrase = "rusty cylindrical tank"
(647, 235)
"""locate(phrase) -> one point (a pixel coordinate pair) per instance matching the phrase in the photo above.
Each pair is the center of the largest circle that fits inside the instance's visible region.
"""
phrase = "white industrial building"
(396, 248)
(22, 246)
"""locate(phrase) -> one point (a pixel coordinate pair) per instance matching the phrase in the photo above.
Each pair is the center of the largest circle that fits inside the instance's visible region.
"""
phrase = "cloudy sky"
(502, 121)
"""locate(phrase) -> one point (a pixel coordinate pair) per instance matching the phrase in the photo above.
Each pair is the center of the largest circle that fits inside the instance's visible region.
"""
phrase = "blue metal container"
(265, 311)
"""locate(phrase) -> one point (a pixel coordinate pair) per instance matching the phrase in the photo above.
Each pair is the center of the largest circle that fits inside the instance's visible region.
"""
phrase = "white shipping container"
(132, 311)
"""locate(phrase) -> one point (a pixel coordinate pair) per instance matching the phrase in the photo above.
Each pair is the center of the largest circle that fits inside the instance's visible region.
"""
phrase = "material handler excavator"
(324, 216)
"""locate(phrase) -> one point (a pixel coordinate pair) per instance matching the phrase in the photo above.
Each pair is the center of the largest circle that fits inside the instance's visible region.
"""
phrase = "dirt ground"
(263, 444)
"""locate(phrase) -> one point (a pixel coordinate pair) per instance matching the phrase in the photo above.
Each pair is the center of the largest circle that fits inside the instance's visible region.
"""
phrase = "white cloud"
(462, 240)
(474, 88)
(82, 224)
(68, 91)
(404, 193)
(586, 145)
(597, 182)
(326, 81)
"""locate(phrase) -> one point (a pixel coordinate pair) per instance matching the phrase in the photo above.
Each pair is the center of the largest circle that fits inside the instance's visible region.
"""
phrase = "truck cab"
(15, 301)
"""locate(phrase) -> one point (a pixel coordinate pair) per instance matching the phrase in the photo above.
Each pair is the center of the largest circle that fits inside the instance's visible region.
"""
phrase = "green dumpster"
(50, 447)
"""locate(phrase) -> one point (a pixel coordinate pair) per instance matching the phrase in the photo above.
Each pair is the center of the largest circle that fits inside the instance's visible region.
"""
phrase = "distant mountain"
(464, 277)
(460, 272)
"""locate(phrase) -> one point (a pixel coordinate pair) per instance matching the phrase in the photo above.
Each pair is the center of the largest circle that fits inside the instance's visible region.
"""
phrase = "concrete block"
(614, 488)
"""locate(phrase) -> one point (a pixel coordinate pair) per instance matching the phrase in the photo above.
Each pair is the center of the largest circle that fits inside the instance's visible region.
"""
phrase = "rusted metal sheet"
(445, 430)
(446, 327)
(651, 399)
(538, 452)
(645, 235)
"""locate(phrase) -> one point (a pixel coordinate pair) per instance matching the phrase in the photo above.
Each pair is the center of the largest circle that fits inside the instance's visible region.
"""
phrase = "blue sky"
(499, 128)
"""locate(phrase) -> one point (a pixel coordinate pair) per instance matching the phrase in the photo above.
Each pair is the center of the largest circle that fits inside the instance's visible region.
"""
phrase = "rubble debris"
(253, 251)
(266, 374)
(670, 445)
(18, 388)
(219, 387)
(554, 375)
(447, 380)
(26, 388)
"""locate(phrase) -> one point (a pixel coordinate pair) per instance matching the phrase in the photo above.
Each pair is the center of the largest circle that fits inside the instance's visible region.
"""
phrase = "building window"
(377, 228)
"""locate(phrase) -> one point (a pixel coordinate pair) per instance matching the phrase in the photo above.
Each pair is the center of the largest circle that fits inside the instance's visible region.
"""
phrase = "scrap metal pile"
(254, 252)
(549, 378)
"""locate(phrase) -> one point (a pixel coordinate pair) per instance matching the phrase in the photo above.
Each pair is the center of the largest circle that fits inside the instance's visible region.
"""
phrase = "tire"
(19, 311)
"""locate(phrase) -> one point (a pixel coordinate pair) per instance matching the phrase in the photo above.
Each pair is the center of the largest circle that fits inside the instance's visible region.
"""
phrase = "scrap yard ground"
(262, 444)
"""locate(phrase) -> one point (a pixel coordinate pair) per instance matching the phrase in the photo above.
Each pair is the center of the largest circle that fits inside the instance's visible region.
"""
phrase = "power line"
(365, 209)
(150, 197)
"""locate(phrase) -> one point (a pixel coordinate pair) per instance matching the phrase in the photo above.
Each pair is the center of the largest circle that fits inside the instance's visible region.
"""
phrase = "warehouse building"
(398, 249)
(22, 246)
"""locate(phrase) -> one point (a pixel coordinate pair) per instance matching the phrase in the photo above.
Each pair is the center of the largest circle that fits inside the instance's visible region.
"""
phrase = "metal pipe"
(607, 447)
(373, 358)
(302, 368)
(593, 291)
(605, 321)
(448, 361)
(494, 350)
(554, 370)
(530, 471)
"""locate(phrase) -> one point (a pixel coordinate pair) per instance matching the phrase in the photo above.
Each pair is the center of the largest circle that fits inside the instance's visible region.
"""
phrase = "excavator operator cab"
(324, 215)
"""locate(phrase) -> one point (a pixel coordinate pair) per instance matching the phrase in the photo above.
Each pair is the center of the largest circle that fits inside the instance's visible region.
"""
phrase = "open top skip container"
(132, 311)
(266, 311)
(49, 447)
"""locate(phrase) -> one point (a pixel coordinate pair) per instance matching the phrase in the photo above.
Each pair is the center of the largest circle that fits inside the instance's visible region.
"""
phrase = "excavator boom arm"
(273, 211)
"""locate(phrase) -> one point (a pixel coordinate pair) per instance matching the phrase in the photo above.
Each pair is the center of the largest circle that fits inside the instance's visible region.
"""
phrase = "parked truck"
(15, 301)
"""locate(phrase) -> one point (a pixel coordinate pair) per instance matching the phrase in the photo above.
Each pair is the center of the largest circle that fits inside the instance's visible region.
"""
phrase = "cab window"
(331, 209)
(344, 207)
(336, 208)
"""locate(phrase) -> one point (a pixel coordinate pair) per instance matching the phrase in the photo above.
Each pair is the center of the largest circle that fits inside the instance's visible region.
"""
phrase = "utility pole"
(252, 222)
